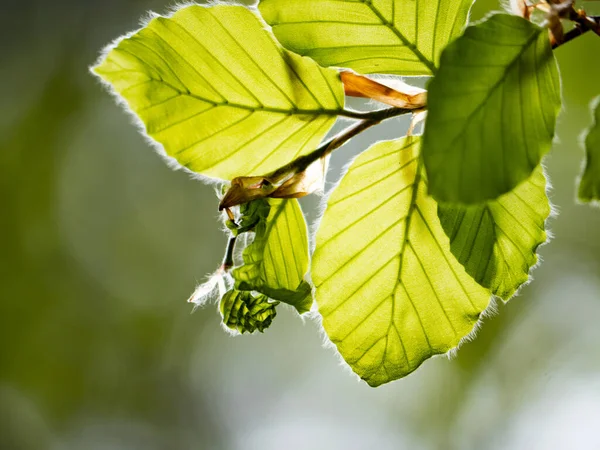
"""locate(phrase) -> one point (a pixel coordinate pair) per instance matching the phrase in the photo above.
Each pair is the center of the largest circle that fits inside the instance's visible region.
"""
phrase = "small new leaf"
(276, 261)
(245, 312)
(589, 185)
(492, 110)
(496, 241)
(403, 37)
(387, 285)
(220, 93)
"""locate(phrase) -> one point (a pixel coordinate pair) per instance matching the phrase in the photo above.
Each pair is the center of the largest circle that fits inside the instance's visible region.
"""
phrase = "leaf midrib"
(390, 25)
(292, 111)
(392, 324)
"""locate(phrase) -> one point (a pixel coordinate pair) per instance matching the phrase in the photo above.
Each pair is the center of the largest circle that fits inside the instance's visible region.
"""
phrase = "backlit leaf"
(276, 261)
(403, 37)
(220, 94)
(496, 241)
(589, 185)
(491, 110)
(388, 287)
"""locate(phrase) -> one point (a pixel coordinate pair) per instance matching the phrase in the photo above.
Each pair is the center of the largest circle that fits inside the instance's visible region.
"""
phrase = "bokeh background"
(102, 244)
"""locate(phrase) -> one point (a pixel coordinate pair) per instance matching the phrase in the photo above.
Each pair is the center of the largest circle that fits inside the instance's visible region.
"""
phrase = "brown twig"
(228, 259)
(583, 23)
(287, 181)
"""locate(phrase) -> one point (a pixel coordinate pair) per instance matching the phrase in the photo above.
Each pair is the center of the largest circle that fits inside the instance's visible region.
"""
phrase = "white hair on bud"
(212, 289)
(242, 242)
(518, 7)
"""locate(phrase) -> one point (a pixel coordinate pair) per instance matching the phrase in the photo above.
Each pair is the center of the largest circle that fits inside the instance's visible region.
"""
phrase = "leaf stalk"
(292, 180)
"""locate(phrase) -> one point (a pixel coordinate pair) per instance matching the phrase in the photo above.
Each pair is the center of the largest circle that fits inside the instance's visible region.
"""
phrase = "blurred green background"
(103, 243)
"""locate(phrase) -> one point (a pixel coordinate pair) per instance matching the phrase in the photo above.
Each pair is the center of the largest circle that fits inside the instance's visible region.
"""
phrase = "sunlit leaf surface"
(496, 241)
(220, 94)
(402, 37)
(491, 110)
(388, 287)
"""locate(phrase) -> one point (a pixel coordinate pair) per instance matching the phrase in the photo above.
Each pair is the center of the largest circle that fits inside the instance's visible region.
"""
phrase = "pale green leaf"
(492, 110)
(220, 94)
(387, 285)
(276, 261)
(497, 241)
(403, 37)
(589, 185)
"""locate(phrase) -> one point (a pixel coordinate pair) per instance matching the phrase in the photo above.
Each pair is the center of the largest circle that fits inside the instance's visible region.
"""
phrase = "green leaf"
(496, 241)
(220, 94)
(589, 185)
(245, 312)
(491, 110)
(388, 287)
(276, 261)
(403, 37)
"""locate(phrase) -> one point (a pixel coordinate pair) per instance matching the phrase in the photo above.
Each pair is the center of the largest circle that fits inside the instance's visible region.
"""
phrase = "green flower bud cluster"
(244, 312)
